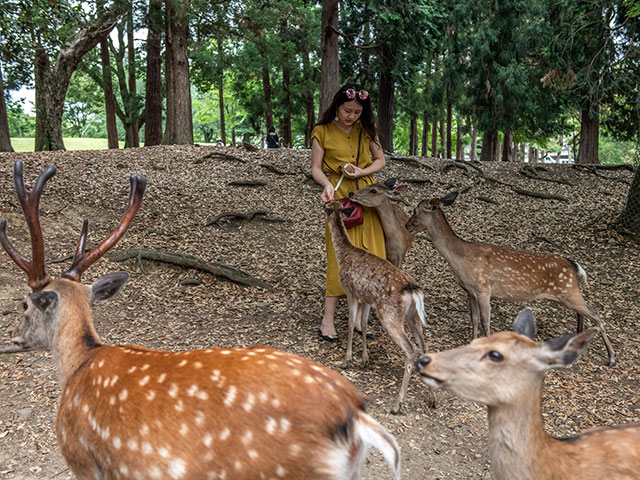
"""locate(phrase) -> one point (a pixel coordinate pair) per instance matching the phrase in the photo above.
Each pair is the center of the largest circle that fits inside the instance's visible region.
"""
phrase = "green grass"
(27, 144)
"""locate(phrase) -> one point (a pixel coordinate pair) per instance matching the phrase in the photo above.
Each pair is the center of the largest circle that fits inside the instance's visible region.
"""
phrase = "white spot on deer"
(84, 443)
(144, 380)
(123, 395)
(209, 350)
(132, 445)
(114, 380)
(101, 363)
(225, 434)
(173, 391)
(192, 390)
(162, 377)
(93, 365)
(183, 429)
(280, 471)
(154, 472)
(275, 403)
(151, 394)
(117, 443)
(225, 352)
(144, 430)
(208, 440)
(252, 454)
(231, 396)
(295, 372)
(247, 438)
(199, 417)
(237, 465)
(294, 449)
(215, 376)
(105, 434)
(263, 397)
(163, 452)
(309, 379)
(132, 369)
(106, 382)
(197, 365)
(144, 367)
(182, 363)
(271, 426)
(145, 447)
(248, 405)
(285, 425)
(76, 400)
(179, 406)
(177, 468)
(85, 408)
(124, 470)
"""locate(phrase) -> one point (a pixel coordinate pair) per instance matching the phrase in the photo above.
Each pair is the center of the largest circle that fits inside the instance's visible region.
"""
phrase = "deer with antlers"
(505, 372)
(370, 280)
(488, 271)
(128, 412)
(397, 239)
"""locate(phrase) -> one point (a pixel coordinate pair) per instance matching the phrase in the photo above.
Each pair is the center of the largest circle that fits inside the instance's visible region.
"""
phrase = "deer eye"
(25, 305)
(373, 190)
(495, 356)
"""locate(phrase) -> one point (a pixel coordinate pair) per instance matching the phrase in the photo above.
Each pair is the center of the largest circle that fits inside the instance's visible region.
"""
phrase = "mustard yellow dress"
(339, 148)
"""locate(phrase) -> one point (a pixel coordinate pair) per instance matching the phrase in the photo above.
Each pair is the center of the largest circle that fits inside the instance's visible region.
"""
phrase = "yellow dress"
(341, 147)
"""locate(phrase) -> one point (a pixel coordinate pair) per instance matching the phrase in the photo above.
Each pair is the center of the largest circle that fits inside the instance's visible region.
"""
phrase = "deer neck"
(339, 238)
(394, 230)
(517, 440)
(444, 238)
(74, 339)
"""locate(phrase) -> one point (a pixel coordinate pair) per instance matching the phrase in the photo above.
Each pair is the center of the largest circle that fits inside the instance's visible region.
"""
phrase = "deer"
(397, 238)
(368, 281)
(488, 271)
(129, 412)
(505, 372)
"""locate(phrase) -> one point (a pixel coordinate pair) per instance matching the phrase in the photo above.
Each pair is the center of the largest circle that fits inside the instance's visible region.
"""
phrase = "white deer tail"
(418, 301)
(371, 433)
(580, 272)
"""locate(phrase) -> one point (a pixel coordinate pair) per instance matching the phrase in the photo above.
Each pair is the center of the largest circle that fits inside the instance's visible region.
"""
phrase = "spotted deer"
(506, 372)
(397, 238)
(128, 412)
(488, 271)
(368, 281)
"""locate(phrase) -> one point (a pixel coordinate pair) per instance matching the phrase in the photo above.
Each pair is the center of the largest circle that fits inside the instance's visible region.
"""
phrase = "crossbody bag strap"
(358, 154)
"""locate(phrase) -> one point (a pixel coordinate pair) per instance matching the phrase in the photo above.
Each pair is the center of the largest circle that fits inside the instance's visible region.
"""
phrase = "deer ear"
(562, 351)
(448, 199)
(390, 182)
(400, 189)
(525, 323)
(106, 287)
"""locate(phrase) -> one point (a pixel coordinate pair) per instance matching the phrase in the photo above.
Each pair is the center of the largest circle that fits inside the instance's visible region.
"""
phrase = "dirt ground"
(190, 186)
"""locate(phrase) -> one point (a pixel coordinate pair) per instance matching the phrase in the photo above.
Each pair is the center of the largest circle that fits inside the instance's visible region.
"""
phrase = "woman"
(347, 123)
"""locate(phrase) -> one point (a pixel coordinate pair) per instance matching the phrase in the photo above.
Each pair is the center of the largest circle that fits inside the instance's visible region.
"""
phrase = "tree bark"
(179, 123)
(51, 83)
(5, 138)
(153, 87)
(434, 139)
(507, 147)
(589, 136)
(266, 92)
(131, 69)
(223, 132)
(459, 148)
(473, 154)
(308, 95)
(425, 134)
(386, 93)
(449, 121)
(109, 99)
(330, 69)
(489, 146)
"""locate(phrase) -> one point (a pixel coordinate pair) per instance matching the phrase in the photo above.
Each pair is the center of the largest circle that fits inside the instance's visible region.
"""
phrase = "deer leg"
(484, 304)
(580, 320)
(353, 311)
(587, 312)
(475, 313)
(365, 307)
(396, 332)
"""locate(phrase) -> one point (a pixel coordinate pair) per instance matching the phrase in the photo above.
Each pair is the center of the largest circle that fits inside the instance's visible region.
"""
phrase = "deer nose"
(422, 362)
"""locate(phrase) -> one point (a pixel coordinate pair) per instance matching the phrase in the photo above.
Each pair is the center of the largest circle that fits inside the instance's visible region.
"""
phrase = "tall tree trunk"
(5, 139)
(179, 124)
(153, 91)
(266, 92)
(413, 134)
(223, 133)
(109, 99)
(308, 74)
(434, 139)
(449, 121)
(425, 134)
(489, 146)
(473, 154)
(459, 149)
(131, 64)
(589, 136)
(285, 128)
(330, 70)
(442, 137)
(531, 155)
(507, 147)
(386, 92)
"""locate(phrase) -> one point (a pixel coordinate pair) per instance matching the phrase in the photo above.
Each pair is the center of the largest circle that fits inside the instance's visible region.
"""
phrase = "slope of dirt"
(190, 186)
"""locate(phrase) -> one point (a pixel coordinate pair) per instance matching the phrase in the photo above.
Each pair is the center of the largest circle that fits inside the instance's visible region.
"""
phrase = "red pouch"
(356, 215)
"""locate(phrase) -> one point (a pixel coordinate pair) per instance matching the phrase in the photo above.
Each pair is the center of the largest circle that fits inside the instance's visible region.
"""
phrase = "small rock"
(23, 414)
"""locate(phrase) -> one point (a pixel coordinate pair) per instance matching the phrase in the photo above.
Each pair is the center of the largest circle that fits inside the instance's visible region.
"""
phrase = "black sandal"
(327, 338)
(359, 332)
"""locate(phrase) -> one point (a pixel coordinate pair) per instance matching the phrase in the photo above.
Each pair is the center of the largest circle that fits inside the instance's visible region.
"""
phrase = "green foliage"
(612, 151)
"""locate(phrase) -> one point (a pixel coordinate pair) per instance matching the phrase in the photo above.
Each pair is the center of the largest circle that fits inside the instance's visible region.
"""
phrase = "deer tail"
(580, 272)
(371, 433)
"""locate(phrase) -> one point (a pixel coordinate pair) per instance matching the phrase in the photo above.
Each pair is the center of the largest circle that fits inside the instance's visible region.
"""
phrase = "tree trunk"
(266, 92)
(153, 93)
(507, 147)
(434, 139)
(425, 134)
(449, 121)
(630, 218)
(109, 99)
(386, 93)
(459, 149)
(5, 138)
(531, 155)
(223, 133)
(179, 123)
(131, 64)
(589, 136)
(473, 154)
(413, 134)
(330, 70)
(285, 128)
(442, 137)
(489, 146)
(308, 75)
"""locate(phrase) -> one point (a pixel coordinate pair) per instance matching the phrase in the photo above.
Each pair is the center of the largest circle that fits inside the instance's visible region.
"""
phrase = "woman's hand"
(353, 172)
(327, 193)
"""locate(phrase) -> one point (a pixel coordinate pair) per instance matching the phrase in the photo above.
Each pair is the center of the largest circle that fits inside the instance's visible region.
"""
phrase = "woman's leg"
(327, 326)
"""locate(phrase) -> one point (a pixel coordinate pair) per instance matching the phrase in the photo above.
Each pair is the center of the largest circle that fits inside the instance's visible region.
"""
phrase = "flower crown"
(351, 94)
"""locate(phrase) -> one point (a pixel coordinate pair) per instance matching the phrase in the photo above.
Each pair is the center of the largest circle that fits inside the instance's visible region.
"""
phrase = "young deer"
(127, 412)
(484, 271)
(505, 372)
(397, 238)
(369, 280)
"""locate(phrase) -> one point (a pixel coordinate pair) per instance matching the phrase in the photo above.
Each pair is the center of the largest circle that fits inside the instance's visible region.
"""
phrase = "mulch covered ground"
(258, 213)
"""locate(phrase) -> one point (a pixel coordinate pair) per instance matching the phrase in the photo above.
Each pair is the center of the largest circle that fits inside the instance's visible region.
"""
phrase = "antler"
(37, 277)
(82, 260)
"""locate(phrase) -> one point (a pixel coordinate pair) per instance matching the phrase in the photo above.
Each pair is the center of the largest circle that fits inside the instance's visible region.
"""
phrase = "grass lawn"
(27, 144)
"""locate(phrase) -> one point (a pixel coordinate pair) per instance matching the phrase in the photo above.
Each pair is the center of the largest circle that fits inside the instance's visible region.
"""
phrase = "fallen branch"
(546, 196)
(488, 200)
(416, 180)
(220, 156)
(247, 183)
(532, 172)
(274, 169)
(217, 269)
(248, 216)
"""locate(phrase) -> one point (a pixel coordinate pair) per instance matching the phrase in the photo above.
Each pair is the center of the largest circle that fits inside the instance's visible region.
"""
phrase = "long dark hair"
(367, 118)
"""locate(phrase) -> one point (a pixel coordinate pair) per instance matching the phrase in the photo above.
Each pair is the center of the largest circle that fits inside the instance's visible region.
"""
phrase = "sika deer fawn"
(488, 271)
(127, 412)
(505, 372)
(397, 238)
(370, 280)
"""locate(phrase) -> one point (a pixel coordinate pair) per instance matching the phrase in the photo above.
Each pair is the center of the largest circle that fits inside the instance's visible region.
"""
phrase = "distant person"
(272, 138)
(219, 143)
